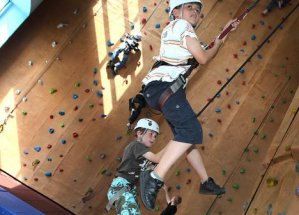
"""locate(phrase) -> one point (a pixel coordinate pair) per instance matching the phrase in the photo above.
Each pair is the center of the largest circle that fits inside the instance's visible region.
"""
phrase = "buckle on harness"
(180, 81)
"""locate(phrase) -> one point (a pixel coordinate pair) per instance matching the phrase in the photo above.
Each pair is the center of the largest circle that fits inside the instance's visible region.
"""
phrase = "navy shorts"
(177, 111)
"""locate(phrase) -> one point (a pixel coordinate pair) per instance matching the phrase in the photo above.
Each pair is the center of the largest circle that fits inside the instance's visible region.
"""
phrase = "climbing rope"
(246, 61)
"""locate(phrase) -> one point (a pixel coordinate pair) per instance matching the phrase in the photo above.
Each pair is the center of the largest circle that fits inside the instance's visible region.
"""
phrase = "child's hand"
(165, 188)
(234, 23)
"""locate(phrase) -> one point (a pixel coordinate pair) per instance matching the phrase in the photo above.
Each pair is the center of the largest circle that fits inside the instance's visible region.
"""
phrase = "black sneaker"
(149, 188)
(209, 187)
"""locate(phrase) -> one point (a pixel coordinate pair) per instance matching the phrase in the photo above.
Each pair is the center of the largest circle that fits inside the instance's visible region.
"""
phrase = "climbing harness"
(117, 195)
(178, 83)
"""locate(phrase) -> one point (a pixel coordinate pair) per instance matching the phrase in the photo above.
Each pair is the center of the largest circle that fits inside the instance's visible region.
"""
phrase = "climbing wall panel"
(66, 114)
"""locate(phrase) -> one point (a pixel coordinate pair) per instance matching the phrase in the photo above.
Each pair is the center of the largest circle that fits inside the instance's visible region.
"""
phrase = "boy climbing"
(137, 157)
(180, 52)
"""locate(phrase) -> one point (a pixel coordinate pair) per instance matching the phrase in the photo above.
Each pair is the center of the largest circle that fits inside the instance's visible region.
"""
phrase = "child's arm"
(154, 157)
(165, 188)
(204, 56)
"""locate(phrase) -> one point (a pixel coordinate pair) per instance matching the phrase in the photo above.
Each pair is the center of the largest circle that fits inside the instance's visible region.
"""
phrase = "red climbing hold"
(49, 146)
(75, 135)
(244, 43)
(188, 181)
(219, 120)
(219, 82)
(229, 106)
(227, 69)
(243, 82)
(253, 26)
(51, 116)
(87, 90)
(227, 93)
(143, 21)
(151, 47)
(35, 179)
(76, 108)
(235, 55)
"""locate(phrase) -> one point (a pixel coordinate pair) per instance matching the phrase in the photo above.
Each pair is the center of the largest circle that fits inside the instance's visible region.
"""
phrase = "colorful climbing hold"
(48, 174)
(52, 90)
(51, 130)
(37, 148)
(109, 43)
(271, 181)
(236, 186)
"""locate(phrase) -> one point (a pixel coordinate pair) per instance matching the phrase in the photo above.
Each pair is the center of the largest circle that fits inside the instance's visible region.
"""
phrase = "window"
(3, 3)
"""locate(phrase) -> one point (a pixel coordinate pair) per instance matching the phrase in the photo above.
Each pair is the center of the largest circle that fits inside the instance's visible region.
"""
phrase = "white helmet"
(147, 124)
(174, 3)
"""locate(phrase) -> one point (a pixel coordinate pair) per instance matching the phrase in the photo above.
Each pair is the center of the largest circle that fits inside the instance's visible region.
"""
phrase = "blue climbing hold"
(217, 110)
(61, 113)
(49, 159)
(242, 70)
(51, 130)
(48, 174)
(37, 148)
(253, 37)
(144, 9)
(109, 43)
(99, 94)
(167, 10)
(75, 96)
(95, 82)
(157, 25)
(110, 54)
(63, 141)
(26, 152)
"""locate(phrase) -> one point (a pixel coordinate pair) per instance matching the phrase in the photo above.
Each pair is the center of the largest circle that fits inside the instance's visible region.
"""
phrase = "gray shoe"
(209, 187)
(149, 188)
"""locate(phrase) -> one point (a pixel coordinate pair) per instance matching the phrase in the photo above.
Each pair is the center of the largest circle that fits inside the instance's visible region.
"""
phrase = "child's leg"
(172, 153)
(195, 159)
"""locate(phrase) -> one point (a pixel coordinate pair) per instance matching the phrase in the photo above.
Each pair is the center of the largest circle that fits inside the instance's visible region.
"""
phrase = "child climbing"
(130, 42)
(164, 90)
(172, 203)
(137, 157)
(273, 3)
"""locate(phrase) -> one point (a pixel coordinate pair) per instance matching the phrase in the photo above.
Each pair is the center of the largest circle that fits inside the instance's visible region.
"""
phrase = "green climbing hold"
(236, 186)
(256, 150)
(177, 173)
(88, 158)
(77, 84)
(246, 149)
(52, 90)
(242, 171)
(223, 172)
(24, 113)
(253, 119)
(271, 182)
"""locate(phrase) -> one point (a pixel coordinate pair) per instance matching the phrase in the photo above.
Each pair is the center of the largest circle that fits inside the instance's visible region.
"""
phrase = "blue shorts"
(177, 111)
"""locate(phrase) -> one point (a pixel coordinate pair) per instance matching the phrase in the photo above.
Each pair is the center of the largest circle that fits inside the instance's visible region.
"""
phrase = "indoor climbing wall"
(64, 114)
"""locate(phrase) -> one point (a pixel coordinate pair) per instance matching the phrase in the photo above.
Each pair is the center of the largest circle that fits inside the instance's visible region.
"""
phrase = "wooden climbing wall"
(66, 115)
